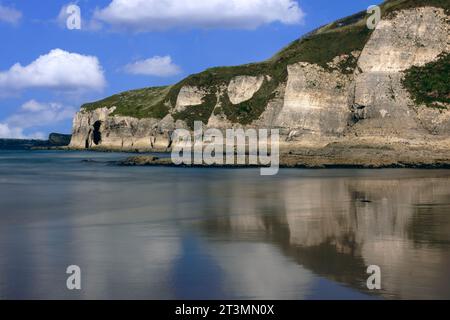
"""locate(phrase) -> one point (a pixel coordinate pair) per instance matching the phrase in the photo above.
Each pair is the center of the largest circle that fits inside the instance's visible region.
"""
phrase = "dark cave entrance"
(97, 135)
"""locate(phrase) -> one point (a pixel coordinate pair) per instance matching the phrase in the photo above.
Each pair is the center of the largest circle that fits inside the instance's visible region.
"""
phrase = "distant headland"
(54, 140)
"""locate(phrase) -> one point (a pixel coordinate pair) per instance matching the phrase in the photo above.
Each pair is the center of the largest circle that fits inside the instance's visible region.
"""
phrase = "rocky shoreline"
(332, 156)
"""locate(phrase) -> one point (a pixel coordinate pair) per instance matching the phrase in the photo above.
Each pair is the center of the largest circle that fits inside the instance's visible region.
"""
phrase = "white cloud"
(17, 133)
(58, 69)
(32, 115)
(155, 66)
(10, 15)
(149, 15)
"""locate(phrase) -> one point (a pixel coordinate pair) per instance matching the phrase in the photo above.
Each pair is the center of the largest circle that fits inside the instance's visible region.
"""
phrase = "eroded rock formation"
(365, 102)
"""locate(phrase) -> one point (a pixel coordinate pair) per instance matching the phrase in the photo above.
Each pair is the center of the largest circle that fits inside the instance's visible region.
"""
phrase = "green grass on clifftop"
(142, 103)
(390, 6)
(198, 113)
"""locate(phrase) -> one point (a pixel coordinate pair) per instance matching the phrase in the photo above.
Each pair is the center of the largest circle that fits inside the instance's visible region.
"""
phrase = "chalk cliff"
(340, 83)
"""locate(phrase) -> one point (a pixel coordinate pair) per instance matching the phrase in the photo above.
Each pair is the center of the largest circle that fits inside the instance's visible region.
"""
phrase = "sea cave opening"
(97, 135)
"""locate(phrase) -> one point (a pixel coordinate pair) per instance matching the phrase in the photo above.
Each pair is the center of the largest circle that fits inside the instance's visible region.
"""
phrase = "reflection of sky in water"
(207, 233)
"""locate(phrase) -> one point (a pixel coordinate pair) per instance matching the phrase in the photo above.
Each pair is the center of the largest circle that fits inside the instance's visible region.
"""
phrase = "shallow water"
(178, 233)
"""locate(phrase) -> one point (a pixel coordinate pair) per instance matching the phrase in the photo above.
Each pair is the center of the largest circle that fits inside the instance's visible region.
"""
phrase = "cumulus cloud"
(155, 66)
(33, 115)
(58, 69)
(149, 15)
(9, 15)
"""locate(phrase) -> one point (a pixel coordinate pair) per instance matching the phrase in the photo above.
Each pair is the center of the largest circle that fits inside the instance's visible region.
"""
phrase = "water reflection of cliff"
(336, 227)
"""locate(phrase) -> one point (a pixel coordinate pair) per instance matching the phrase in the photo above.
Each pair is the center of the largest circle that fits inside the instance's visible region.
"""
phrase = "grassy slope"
(319, 47)
(142, 103)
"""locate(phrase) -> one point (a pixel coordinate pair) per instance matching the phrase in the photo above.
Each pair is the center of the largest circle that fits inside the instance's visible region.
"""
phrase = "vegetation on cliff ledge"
(430, 83)
(319, 47)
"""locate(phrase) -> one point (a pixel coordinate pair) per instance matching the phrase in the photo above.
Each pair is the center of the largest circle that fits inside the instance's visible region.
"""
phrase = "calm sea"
(177, 233)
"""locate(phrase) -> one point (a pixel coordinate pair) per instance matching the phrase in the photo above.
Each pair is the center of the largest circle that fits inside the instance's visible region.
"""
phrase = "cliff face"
(97, 128)
(413, 37)
(341, 82)
(315, 101)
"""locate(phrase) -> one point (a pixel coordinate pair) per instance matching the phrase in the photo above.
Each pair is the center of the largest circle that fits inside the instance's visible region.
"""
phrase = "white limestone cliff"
(242, 88)
(314, 103)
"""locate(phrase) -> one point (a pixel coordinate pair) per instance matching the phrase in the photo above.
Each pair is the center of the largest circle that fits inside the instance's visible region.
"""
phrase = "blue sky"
(131, 44)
